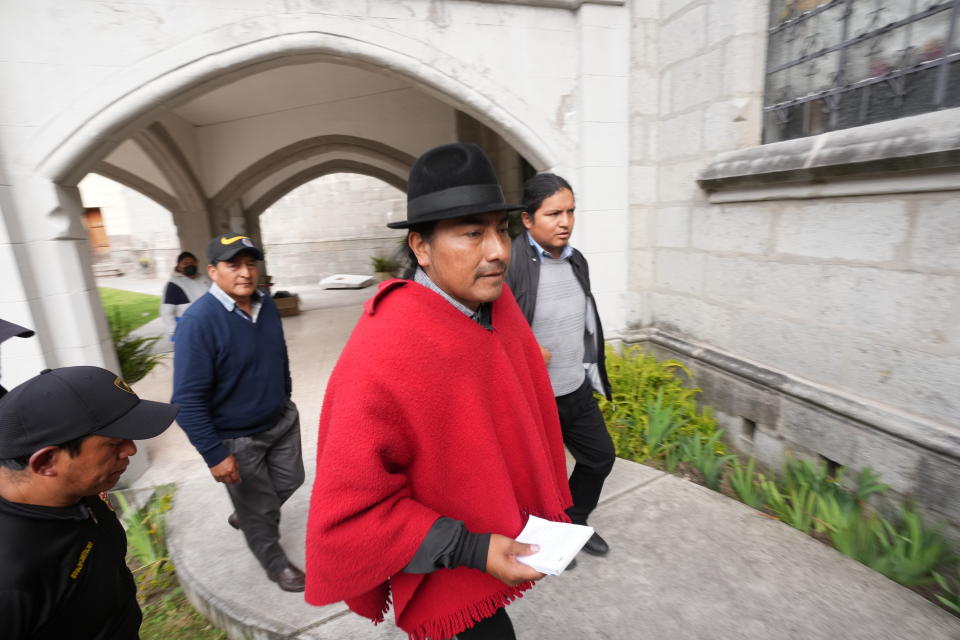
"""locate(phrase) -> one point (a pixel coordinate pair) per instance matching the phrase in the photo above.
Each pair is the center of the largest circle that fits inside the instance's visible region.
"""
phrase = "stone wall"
(820, 313)
(331, 225)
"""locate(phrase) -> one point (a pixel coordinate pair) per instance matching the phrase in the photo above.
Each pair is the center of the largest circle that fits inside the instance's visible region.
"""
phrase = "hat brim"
(231, 252)
(9, 330)
(457, 212)
(146, 420)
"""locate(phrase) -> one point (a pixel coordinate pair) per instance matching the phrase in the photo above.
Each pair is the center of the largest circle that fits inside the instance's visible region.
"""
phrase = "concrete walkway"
(686, 562)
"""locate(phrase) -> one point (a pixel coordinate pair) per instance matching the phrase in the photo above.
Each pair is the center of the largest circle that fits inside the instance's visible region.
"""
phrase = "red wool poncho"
(428, 414)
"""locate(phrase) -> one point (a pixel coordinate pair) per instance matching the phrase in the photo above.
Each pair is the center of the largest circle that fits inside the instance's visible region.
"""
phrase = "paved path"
(686, 562)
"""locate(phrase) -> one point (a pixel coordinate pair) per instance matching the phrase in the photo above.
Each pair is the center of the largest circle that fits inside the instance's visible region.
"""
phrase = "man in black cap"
(439, 433)
(66, 436)
(10, 330)
(231, 376)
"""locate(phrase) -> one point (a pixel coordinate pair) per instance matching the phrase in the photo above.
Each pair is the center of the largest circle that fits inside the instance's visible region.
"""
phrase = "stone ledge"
(923, 433)
(925, 142)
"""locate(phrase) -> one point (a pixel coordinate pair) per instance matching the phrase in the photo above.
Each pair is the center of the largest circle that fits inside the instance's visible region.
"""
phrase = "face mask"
(190, 270)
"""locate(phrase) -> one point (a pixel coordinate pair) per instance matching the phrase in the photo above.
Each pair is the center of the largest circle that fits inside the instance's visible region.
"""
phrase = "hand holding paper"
(559, 543)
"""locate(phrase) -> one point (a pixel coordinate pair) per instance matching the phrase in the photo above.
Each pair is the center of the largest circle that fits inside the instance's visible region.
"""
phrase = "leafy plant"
(644, 389)
(146, 530)
(911, 551)
(868, 483)
(384, 265)
(671, 458)
(747, 484)
(794, 505)
(951, 587)
(702, 453)
(855, 534)
(135, 354)
(662, 422)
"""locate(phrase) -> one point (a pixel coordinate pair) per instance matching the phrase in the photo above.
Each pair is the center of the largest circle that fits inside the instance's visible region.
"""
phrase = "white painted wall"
(334, 224)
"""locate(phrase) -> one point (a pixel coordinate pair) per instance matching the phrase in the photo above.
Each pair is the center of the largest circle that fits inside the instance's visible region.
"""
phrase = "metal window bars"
(834, 64)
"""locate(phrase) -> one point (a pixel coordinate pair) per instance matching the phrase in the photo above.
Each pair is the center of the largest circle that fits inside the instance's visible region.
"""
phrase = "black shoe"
(289, 579)
(572, 565)
(596, 545)
(233, 520)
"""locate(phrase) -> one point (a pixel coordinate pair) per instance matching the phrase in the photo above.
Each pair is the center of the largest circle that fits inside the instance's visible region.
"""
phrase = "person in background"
(66, 437)
(551, 281)
(184, 287)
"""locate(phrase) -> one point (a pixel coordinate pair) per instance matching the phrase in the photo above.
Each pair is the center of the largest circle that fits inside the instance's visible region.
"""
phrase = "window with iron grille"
(834, 64)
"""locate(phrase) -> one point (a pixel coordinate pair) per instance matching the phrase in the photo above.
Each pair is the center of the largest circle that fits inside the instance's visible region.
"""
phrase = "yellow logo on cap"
(121, 384)
(232, 240)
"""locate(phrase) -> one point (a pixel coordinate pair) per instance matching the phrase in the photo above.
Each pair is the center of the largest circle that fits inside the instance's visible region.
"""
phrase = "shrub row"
(654, 419)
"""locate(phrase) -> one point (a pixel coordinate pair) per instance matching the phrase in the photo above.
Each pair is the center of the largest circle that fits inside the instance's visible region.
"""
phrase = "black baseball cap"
(227, 245)
(63, 404)
(9, 330)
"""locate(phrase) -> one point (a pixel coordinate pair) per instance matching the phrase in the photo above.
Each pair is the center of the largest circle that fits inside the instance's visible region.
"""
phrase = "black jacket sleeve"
(448, 545)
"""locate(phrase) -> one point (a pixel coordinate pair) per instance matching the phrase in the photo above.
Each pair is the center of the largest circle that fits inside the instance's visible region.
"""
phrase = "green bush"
(166, 611)
(701, 452)
(747, 484)
(652, 408)
(910, 551)
(135, 355)
(654, 418)
(951, 590)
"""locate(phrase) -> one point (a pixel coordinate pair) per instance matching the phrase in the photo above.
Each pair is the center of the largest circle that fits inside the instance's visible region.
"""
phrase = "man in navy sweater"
(231, 377)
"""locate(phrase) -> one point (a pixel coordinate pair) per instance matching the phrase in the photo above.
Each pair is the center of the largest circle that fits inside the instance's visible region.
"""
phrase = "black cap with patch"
(227, 245)
(63, 404)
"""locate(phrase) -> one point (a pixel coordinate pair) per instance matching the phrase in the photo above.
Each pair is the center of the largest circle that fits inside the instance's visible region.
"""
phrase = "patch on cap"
(247, 242)
(121, 384)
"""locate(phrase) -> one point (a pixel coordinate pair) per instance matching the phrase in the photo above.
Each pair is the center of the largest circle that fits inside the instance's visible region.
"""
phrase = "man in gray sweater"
(551, 282)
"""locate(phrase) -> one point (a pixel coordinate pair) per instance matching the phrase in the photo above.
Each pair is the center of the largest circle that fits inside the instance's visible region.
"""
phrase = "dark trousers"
(586, 437)
(271, 469)
(496, 627)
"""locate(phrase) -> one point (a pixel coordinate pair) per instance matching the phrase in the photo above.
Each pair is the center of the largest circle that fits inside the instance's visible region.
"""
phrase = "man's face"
(466, 257)
(237, 276)
(188, 262)
(96, 468)
(552, 224)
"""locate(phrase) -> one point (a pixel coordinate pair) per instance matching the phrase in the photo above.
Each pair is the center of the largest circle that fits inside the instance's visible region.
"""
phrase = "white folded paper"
(559, 543)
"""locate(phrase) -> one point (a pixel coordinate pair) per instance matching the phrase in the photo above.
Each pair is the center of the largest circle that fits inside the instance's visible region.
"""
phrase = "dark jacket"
(523, 277)
(65, 574)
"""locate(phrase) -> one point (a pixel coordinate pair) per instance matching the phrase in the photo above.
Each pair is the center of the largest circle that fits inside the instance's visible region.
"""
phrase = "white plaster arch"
(325, 168)
(276, 167)
(66, 148)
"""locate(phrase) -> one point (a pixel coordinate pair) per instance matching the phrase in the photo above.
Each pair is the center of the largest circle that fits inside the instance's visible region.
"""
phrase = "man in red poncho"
(439, 432)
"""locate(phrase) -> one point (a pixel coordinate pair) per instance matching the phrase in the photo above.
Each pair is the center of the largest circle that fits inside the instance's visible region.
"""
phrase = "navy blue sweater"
(231, 377)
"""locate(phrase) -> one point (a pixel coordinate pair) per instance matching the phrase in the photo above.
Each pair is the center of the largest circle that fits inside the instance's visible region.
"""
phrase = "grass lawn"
(135, 309)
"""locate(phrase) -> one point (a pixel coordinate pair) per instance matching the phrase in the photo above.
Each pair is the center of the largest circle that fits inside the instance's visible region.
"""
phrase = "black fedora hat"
(452, 181)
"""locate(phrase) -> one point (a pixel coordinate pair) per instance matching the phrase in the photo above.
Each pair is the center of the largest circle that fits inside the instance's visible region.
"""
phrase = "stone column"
(52, 262)
(602, 229)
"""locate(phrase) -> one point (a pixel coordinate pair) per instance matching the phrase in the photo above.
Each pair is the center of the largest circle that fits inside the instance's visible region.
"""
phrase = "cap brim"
(457, 212)
(147, 419)
(9, 330)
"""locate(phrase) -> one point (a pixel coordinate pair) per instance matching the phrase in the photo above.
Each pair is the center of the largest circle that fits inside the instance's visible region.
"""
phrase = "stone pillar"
(602, 229)
(53, 265)
(193, 231)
